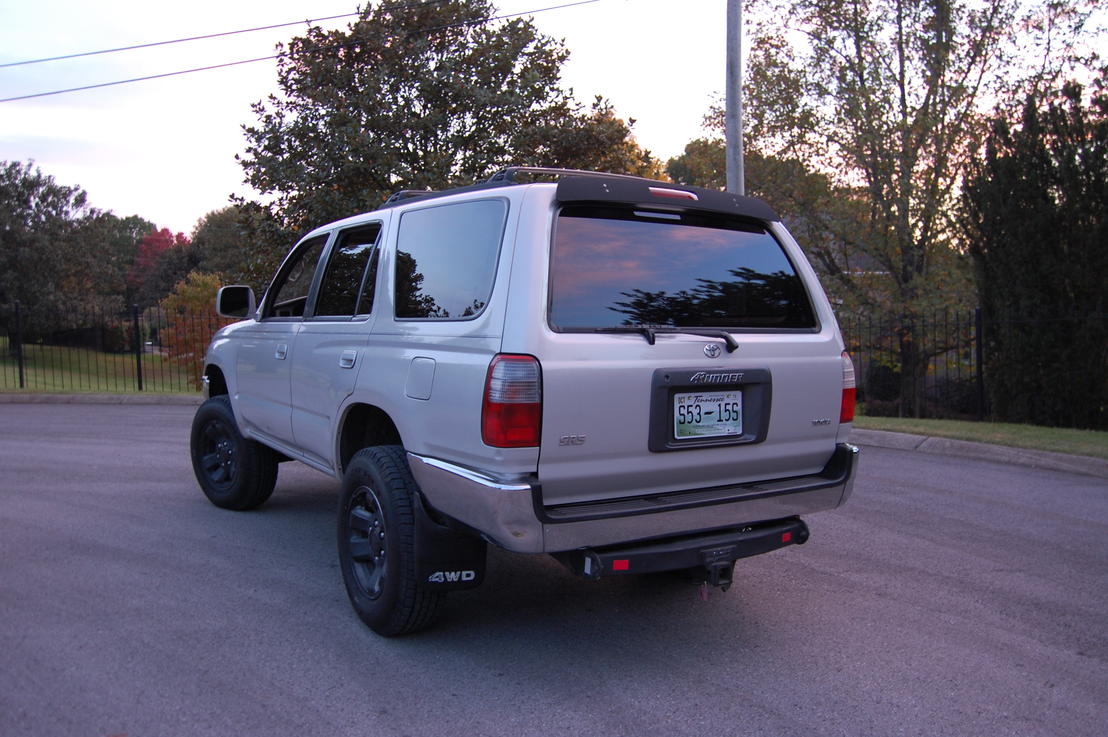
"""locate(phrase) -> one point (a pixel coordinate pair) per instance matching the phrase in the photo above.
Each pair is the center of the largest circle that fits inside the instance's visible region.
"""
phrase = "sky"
(165, 149)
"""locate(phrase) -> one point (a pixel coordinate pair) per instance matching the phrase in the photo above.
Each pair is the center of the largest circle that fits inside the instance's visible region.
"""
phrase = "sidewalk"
(875, 438)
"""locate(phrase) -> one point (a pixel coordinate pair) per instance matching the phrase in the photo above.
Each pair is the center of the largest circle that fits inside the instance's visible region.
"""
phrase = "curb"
(982, 451)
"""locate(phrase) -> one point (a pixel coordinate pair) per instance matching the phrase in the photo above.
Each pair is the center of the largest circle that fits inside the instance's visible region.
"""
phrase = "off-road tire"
(376, 541)
(234, 472)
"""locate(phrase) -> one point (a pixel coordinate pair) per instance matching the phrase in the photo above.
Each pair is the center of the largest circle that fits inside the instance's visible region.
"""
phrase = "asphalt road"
(949, 597)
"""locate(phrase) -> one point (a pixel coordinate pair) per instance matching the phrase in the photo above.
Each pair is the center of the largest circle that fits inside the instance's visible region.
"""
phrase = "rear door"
(683, 350)
(330, 346)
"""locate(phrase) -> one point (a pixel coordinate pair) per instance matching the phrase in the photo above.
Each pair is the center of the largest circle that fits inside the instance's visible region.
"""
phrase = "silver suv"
(629, 375)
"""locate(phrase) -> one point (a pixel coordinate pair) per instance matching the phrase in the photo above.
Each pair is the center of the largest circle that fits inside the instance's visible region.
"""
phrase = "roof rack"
(507, 176)
(503, 178)
(409, 194)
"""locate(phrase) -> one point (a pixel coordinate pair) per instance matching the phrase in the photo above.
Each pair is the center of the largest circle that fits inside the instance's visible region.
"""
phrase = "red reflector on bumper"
(621, 565)
(787, 537)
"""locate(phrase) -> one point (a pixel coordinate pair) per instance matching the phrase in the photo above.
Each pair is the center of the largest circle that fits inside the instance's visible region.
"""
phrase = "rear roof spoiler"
(661, 195)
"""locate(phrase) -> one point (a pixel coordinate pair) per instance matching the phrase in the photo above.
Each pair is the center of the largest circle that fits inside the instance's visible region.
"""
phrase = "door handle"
(347, 359)
(281, 352)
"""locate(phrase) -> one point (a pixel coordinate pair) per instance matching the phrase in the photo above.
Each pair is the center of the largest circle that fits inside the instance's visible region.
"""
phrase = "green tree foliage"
(414, 95)
(1036, 216)
(106, 245)
(59, 258)
(218, 240)
(36, 233)
(702, 164)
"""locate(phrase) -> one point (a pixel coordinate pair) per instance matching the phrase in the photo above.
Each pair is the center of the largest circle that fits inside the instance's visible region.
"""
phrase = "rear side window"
(613, 267)
(446, 259)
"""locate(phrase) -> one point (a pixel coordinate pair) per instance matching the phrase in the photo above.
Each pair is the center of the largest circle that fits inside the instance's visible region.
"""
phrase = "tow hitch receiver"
(715, 552)
(720, 564)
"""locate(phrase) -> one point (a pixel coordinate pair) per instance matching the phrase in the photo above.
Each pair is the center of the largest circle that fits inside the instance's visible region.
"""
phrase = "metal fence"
(154, 351)
(132, 350)
(944, 345)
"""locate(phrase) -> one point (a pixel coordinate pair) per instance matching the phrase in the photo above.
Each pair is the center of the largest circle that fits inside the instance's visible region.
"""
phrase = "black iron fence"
(108, 351)
(929, 365)
(154, 350)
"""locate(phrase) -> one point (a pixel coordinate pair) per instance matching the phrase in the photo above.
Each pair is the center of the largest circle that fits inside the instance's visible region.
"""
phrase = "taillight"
(846, 411)
(511, 414)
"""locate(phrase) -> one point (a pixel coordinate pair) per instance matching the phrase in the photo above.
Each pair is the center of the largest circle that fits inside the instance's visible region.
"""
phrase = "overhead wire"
(173, 41)
(224, 65)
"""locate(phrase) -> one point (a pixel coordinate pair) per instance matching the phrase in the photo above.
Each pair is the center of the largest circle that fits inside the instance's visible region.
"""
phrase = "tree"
(414, 95)
(812, 206)
(598, 140)
(883, 97)
(105, 246)
(65, 262)
(36, 229)
(1036, 219)
(218, 240)
(702, 164)
(162, 259)
(191, 320)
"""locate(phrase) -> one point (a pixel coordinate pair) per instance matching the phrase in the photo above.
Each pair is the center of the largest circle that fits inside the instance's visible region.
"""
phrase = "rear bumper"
(510, 511)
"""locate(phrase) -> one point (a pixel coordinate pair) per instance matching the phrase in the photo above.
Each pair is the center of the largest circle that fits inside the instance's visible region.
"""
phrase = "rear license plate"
(708, 415)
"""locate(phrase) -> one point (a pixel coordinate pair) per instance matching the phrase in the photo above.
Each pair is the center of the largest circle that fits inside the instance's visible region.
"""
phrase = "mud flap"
(447, 559)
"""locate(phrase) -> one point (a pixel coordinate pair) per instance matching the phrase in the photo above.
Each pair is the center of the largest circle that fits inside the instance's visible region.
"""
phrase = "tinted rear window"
(613, 267)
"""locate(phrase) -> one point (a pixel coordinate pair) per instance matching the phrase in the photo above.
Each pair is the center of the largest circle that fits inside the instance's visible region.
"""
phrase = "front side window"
(348, 282)
(294, 281)
(614, 267)
(446, 259)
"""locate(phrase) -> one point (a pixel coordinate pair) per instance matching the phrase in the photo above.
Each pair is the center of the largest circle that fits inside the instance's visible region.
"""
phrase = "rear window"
(613, 267)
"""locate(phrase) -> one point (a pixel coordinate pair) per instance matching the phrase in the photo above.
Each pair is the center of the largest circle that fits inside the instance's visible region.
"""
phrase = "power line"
(173, 41)
(260, 58)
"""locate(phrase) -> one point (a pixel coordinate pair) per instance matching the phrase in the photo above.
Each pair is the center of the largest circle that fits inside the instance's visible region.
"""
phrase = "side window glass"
(294, 281)
(446, 259)
(348, 275)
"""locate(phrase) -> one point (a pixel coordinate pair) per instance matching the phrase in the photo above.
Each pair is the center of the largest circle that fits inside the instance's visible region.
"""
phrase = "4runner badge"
(703, 377)
(451, 576)
(712, 350)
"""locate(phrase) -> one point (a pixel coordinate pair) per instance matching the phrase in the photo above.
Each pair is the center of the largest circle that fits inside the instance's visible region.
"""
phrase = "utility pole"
(733, 116)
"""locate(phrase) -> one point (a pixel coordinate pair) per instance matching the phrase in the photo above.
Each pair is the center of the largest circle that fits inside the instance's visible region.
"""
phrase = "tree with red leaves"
(161, 261)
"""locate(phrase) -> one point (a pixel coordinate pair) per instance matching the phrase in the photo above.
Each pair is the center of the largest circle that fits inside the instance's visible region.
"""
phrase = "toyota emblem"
(712, 350)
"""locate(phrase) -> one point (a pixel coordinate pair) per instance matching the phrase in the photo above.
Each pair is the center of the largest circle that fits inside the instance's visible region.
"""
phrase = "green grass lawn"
(59, 369)
(1060, 440)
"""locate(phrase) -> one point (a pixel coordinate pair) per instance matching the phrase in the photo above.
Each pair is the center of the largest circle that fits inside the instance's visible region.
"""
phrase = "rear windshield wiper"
(646, 331)
(650, 332)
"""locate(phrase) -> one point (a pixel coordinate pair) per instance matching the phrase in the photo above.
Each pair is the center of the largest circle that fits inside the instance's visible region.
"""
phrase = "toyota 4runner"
(631, 375)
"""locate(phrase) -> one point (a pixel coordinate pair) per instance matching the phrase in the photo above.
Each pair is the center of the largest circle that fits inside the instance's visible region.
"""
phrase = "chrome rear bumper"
(510, 512)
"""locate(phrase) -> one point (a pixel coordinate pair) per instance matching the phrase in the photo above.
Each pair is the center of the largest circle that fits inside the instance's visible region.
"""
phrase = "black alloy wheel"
(366, 541)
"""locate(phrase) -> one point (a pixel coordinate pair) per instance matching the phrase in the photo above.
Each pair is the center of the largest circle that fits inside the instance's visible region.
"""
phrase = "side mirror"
(236, 301)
